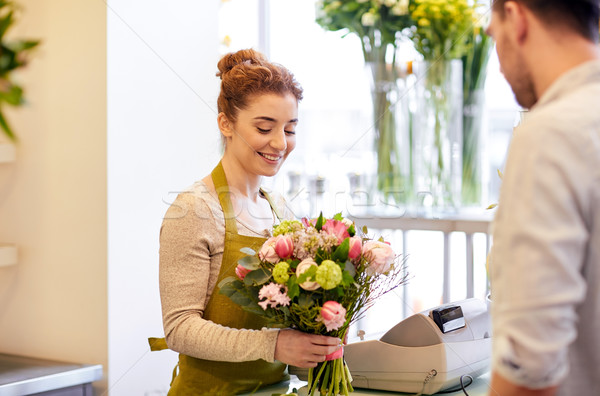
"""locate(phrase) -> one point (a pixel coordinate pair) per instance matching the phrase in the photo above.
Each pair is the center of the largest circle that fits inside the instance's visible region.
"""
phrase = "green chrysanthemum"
(329, 274)
(280, 272)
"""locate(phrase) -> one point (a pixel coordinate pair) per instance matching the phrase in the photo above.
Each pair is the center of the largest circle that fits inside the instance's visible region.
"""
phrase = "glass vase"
(472, 151)
(437, 136)
(391, 130)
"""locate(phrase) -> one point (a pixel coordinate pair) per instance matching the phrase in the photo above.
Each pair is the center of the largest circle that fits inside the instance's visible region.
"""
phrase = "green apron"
(198, 376)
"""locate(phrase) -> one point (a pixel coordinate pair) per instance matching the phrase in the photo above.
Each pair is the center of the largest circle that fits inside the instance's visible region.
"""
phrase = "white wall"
(162, 136)
(53, 303)
(122, 113)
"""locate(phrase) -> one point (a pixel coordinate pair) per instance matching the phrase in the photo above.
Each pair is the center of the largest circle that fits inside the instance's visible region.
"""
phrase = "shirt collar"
(570, 81)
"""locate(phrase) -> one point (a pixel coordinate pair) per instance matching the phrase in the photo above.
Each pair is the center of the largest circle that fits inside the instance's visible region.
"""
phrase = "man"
(545, 261)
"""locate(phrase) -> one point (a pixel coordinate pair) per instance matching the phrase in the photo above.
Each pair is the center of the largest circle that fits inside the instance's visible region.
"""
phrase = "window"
(335, 136)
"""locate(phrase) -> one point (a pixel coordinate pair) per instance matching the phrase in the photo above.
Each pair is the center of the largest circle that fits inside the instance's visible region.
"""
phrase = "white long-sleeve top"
(191, 250)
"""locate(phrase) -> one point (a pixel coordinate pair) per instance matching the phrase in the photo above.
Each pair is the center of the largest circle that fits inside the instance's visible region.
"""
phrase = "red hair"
(246, 73)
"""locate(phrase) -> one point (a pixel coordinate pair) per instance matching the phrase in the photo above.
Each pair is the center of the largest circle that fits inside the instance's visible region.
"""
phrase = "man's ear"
(517, 17)
(225, 126)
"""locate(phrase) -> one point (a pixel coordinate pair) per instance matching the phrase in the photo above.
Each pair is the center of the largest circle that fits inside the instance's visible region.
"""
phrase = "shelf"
(21, 375)
(8, 255)
(8, 153)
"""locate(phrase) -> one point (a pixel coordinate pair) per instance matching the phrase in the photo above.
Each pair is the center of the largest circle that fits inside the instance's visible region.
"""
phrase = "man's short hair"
(580, 16)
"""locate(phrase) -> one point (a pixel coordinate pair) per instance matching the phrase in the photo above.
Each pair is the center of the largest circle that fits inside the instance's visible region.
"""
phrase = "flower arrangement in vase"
(441, 36)
(379, 25)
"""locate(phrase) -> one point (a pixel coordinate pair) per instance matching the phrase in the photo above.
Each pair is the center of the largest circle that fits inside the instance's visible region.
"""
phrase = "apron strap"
(157, 344)
(222, 188)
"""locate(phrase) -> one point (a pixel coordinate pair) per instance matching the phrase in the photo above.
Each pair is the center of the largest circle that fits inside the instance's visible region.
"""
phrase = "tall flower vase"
(473, 133)
(437, 136)
(391, 126)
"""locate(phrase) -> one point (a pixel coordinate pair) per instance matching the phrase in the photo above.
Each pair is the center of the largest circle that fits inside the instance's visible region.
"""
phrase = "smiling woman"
(223, 349)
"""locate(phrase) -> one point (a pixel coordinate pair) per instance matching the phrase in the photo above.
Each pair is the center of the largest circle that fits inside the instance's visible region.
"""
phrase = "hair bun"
(233, 59)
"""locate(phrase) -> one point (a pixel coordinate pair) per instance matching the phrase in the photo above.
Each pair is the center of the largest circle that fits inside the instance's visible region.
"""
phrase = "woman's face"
(264, 133)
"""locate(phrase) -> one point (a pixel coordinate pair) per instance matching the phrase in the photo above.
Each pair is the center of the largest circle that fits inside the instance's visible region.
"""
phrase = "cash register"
(427, 352)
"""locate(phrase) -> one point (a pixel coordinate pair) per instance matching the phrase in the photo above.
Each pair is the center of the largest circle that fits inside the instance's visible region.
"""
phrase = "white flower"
(389, 3)
(347, 222)
(401, 8)
(368, 19)
(334, 5)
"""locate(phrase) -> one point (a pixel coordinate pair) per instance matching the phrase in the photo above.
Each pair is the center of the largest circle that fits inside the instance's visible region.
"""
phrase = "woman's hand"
(302, 349)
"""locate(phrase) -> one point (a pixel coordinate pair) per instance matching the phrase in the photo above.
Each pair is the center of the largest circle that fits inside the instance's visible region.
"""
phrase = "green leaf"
(338, 216)
(257, 277)
(347, 278)
(350, 268)
(14, 96)
(293, 289)
(5, 23)
(306, 300)
(308, 275)
(320, 222)
(365, 230)
(227, 280)
(341, 252)
(492, 206)
(248, 251)
(249, 262)
(6, 128)
(352, 230)
(320, 255)
(23, 45)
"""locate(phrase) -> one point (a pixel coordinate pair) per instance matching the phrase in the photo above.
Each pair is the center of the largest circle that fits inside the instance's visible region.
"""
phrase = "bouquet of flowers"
(316, 276)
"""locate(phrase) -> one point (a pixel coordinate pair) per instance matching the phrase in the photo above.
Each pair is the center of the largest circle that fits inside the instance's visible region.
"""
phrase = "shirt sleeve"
(538, 250)
(191, 249)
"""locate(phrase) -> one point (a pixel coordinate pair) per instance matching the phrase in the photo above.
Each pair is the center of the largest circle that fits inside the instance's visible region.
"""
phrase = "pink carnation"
(333, 315)
(337, 228)
(274, 295)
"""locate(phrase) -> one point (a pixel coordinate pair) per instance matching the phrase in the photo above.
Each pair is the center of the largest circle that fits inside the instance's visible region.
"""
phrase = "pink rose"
(241, 272)
(301, 268)
(355, 248)
(337, 228)
(333, 315)
(379, 256)
(284, 246)
(267, 251)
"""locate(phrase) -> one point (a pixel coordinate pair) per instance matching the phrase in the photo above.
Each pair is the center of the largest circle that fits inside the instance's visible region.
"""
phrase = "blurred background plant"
(380, 25)
(475, 62)
(13, 56)
(441, 35)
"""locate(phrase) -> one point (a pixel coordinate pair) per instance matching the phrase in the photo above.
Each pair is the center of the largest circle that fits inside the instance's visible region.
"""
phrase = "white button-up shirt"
(545, 259)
